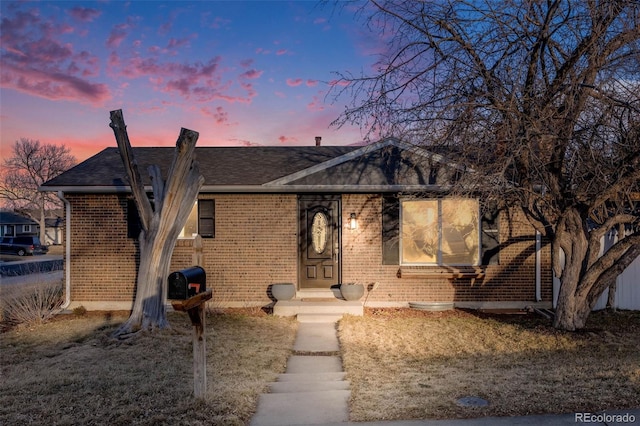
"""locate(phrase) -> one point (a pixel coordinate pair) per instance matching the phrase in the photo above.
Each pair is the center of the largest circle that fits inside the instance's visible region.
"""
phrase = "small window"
(201, 220)
(390, 230)
(26, 229)
(190, 229)
(206, 218)
(490, 237)
(9, 230)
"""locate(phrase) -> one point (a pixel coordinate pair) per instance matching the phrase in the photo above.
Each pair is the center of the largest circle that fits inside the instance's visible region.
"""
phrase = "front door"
(319, 251)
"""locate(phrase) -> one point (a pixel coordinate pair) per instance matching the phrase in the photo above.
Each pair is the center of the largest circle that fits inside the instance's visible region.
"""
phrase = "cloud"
(84, 14)
(281, 52)
(287, 140)
(312, 83)
(117, 35)
(177, 43)
(35, 60)
(342, 83)
(219, 115)
(316, 104)
(251, 74)
(199, 81)
(294, 82)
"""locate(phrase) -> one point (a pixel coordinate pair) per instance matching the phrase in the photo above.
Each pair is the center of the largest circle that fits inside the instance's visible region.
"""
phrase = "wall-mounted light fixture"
(353, 221)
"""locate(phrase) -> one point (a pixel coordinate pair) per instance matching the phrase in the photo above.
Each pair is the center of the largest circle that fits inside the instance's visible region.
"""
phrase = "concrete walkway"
(312, 390)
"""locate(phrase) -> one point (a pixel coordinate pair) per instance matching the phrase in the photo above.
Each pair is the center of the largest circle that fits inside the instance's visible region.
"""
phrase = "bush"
(30, 304)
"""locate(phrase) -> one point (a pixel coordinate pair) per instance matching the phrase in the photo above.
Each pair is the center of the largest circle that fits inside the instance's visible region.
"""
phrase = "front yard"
(402, 364)
(407, 364)
(70, 371)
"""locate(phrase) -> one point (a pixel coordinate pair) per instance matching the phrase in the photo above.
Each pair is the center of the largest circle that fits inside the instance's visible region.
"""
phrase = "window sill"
(447, 272)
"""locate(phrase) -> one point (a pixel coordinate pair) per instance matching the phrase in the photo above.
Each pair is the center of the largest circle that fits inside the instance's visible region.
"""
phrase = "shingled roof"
(383, 165)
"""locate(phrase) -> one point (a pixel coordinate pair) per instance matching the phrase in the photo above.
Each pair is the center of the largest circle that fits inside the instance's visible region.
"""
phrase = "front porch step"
(290, 308)
(319, 318)
(318, 293)
(312, 386)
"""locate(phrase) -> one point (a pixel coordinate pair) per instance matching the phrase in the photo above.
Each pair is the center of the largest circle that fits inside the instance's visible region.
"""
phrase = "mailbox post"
(194, 306)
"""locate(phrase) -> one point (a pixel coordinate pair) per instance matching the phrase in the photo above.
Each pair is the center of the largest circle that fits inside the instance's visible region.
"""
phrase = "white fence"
(627, 283)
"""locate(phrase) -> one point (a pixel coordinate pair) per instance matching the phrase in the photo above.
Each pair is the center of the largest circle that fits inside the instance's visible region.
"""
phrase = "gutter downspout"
(67, 255)
(538, 266)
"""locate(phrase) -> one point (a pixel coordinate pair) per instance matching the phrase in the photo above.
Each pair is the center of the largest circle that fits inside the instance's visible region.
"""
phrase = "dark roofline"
(245, 169)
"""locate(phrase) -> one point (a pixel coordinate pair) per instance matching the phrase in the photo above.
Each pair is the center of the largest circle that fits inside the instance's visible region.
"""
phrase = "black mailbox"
(187, 283)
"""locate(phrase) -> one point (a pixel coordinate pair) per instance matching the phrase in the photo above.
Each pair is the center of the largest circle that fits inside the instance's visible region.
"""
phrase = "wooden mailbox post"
(194, 306)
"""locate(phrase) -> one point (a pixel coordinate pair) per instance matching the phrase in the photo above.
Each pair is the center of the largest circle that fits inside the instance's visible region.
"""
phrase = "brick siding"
(255, 245)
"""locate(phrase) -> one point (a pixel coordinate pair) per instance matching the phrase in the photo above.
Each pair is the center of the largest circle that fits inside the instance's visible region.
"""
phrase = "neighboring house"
(314, 216)
(13, 224)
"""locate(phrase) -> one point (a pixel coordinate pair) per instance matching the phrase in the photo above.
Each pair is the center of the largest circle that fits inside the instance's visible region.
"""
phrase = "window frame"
(133, 219)
(439, 253)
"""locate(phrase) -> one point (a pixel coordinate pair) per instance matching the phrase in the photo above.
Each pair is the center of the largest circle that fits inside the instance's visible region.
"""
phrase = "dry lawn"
(70, 371)
(407, 364)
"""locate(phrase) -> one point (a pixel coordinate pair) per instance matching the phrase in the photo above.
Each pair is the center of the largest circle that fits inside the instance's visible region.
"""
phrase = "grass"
(402, 364)
(70, 371)
(414, 365)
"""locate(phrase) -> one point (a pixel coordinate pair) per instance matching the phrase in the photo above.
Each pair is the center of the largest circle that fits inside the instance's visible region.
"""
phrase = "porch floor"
(317, 305)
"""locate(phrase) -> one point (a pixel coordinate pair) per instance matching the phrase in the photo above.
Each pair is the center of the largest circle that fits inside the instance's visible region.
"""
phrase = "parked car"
(22, 245)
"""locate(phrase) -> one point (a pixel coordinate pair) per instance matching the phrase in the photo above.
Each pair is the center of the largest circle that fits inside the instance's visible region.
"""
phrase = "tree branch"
(137, 187)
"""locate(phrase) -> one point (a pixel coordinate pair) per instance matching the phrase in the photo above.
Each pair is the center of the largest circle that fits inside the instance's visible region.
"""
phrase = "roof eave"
(273, 189)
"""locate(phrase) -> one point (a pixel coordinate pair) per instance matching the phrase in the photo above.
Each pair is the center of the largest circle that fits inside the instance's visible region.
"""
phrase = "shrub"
(31, 304)
(79, 311)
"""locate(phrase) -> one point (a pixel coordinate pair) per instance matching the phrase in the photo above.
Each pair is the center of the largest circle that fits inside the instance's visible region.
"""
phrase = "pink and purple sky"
(238, 72)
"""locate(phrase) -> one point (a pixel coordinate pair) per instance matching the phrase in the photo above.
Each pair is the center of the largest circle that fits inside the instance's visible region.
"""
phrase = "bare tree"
(541, 99)
(161, 224)
(32, 164)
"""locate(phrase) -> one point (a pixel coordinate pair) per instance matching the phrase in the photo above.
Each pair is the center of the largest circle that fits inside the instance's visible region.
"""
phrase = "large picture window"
(440, 232)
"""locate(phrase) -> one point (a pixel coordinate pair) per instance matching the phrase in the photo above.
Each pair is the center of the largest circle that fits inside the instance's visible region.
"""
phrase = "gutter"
(67, 244)
(266, 189)
(538, 266)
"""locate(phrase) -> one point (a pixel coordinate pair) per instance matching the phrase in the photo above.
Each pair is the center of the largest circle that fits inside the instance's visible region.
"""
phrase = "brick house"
(314, 216)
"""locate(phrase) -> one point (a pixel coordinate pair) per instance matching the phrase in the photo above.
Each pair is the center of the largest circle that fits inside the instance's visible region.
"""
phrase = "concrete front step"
(312, 377)
(313, 364)
(319, 293)
(290, 308)
(306, 408)
(319, 318)
(308, 386)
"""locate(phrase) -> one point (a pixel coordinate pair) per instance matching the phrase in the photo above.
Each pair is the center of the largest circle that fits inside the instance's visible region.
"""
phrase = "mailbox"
(187, 283)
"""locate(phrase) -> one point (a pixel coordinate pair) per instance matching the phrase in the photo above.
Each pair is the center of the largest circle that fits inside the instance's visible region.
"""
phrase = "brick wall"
(255, 245)
(512, 280)
(103, 259)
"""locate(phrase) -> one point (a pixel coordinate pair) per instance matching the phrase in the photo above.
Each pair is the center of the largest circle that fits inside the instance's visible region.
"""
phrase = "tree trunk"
(173, 201)
(585, 276)
(42, 222)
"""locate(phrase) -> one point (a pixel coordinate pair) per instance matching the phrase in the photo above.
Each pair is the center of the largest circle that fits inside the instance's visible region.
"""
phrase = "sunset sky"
(238, 72)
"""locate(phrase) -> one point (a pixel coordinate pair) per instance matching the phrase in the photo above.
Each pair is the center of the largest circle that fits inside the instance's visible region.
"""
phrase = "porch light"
(353, 222)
